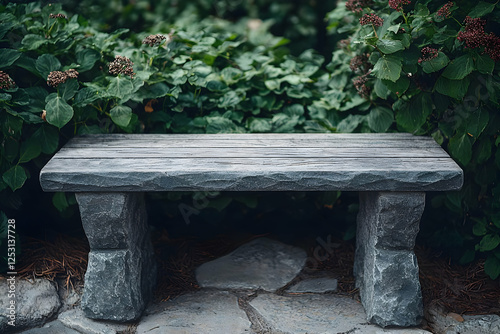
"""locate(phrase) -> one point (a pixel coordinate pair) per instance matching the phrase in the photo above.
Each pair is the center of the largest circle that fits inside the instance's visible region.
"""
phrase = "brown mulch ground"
(458, 289)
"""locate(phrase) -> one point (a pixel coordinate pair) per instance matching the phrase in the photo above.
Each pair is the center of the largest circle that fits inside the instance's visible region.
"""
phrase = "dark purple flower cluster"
(492, 46)
(360, 85)
(6, 81)
(474, 36)
(121, 65)
(444, 11)
(398, 4)
(356, 6)
(372, 18)
(360, 64)
(428, 53)
(72, 73)
(153, 40)
(58, 16)
(56, 78)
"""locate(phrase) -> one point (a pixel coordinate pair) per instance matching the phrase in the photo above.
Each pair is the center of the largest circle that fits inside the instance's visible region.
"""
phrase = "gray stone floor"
(253, 305)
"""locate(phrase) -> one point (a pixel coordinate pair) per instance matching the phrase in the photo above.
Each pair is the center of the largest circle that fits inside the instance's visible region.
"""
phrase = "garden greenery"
(432, 67)
(413, 66)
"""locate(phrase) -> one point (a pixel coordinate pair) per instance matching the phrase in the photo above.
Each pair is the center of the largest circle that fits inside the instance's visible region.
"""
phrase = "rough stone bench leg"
(121, 271)
(385, 266)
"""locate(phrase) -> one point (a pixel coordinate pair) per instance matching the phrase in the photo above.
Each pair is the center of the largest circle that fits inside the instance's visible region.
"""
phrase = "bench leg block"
(121, 271)
(386, 267)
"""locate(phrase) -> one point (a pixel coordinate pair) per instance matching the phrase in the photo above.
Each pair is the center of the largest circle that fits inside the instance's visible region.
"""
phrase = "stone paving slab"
(54, 327)
(452, 323)
(314, 285)
(75, 319)
(260, 264)
(319, 314)
(207, 312)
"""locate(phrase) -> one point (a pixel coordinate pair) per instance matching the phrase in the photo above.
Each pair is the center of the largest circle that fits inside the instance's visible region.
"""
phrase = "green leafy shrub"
(433, 68)
(299, 20)
(62, 77)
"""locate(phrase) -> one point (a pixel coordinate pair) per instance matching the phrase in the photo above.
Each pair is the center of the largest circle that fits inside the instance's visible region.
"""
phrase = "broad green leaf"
(231, 75)
(477, 121)
(8, 57)
(294, 110)
(459, 68)
(394, 28)
(121, 115)
(59, 113)
(272, 84)
(380, 89)
(30, 149)
(10, 123)
(179, 76)
(350, 123)
(37, 97)
(489, 242)
(292, 79)
(410, 116)
(47, 63)
(220, 124)
(399, 87)
(485, 64)
(5, 97)
(48, 137)
(479, 228)
(482, 152)
(259, 125)
(388, 67)
(380, 119)
(15, 177)
(86, 58)
(33, 42)
(460, 148)
(27, 63)
(284, 123)
(453, 88)
(492, 267)
(68, 89)
(85, 96)
(231, 99)
(120, 87)
(435, 64)
(481, 9)
(389, 46)
(216, 86)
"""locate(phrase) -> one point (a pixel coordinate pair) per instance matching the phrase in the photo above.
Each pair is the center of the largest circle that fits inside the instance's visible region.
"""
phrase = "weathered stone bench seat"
(109, 173)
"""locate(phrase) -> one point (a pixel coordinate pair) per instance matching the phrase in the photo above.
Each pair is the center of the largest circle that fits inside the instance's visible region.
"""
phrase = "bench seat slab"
(385, 266)
(121, 271)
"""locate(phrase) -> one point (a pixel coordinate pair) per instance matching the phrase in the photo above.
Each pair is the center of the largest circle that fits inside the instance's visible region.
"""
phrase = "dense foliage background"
(212, 66)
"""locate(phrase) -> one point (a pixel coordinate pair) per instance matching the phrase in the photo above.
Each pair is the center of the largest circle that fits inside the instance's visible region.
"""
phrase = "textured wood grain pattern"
(251, 162)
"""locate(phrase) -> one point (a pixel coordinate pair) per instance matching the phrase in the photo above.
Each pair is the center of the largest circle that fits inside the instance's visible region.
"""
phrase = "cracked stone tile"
(207, 312)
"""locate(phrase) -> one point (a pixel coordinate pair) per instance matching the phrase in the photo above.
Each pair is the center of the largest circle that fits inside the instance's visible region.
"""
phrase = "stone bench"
(392, 172)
